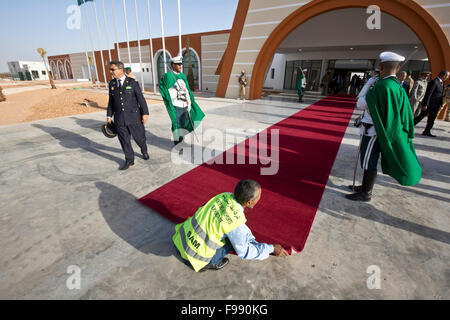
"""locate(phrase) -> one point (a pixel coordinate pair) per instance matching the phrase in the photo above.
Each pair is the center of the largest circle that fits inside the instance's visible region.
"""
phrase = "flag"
(80, 2)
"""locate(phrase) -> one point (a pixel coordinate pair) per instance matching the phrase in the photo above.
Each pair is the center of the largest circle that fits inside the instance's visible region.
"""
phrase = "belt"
(367, 126)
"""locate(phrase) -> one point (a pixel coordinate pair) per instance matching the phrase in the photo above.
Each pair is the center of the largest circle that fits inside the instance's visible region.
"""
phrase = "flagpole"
(163, 40)
(126, 29)
(100, 43)
(151, 47)
(106, 30)
(92, 42)
(139, 46)
(85, 50)
(115, 28)
(179, 29)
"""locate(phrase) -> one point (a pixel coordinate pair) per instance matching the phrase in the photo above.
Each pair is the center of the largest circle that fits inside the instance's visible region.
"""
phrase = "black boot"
(357, 188)
(180, 140)
(365, 194)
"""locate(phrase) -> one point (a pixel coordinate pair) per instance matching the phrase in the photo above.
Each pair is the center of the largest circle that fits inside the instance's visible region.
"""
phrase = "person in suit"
(128, 107)
(401, 76)
(432, 102)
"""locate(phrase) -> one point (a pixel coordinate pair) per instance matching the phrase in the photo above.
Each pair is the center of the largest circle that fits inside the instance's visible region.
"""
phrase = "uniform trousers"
(124, 133)
(370, 153)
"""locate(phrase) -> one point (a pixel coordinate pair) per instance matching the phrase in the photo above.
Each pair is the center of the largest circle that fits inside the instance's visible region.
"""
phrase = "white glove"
(372, 81)
(367, 86)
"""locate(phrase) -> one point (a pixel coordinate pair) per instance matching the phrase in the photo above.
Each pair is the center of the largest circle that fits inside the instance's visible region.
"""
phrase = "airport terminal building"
(272, 41)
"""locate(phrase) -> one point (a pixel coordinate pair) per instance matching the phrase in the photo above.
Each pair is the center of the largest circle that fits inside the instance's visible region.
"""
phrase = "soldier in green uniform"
(388, 129)
(183, 111)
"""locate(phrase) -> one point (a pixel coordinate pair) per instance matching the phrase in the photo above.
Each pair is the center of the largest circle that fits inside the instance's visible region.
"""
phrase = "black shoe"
(218, 266)
(365, 194)
(126, 165)
(145, 155)
(357, 188)
(359, 196)
(180, 140)
(428, 134)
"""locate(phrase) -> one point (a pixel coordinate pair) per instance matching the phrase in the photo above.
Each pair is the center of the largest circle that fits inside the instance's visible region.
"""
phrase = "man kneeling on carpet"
(218, 227)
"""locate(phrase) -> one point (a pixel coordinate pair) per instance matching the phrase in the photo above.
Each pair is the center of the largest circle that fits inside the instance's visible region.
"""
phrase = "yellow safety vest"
(198, 238)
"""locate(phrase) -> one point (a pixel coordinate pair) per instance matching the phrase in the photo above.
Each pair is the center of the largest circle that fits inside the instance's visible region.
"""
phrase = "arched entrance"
(159, 58)
(407, 11)
(62, 74)
(53, 69)
(68, 69)
(195, 65)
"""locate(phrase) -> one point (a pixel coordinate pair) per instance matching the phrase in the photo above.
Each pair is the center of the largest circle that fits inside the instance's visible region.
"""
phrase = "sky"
(30, 24)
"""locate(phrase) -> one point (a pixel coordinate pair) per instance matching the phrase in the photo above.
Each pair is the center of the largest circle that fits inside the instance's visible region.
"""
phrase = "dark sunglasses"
(113, 69)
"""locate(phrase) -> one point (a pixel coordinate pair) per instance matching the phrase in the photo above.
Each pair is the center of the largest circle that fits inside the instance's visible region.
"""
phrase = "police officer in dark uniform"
(130, 111)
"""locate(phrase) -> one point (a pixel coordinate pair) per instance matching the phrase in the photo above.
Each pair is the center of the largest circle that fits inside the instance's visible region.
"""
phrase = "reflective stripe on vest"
(202, 234)
(187, 248)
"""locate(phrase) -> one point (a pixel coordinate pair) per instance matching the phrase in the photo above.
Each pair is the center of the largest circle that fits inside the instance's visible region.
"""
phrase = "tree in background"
(2, 97)
(42, 53)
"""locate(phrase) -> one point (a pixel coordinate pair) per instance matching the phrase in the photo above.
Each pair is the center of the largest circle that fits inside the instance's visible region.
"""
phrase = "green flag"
(392, 117)
(80, 2)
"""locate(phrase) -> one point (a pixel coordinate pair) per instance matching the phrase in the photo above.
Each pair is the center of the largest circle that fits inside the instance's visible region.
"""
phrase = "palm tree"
(91, 63)
(2, 97)
(42, 53)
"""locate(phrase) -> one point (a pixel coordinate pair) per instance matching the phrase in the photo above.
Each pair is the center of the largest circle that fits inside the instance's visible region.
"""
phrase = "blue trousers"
(218, 257)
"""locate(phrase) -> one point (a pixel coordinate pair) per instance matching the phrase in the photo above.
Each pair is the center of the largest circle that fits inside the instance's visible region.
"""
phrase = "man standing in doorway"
(301, 84)
(432, 102)
(243, 82)
(402, 78)
(410, 81)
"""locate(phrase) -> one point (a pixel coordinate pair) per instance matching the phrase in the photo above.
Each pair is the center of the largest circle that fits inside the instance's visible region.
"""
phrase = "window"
(272, 73)
(44, 73)
(143, 69)
(148, 70)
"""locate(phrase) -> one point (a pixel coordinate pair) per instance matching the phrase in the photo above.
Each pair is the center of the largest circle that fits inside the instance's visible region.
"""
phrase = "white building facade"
(28, 70)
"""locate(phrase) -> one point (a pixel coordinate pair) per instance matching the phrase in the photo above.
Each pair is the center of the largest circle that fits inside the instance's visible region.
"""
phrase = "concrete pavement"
(64, 203)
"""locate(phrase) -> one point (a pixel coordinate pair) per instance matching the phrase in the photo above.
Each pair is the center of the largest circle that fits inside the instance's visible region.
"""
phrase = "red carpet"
(308, 143)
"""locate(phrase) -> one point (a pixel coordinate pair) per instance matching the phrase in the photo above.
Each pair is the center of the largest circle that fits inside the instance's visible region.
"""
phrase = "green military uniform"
(183, 111)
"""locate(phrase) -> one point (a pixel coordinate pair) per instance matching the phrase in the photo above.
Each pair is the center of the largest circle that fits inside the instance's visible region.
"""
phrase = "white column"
(99, 41)
(179, 29)
(85, 50)
(92, 42)
(106, 30)
(163, 41)
(151, 47)
(139, 46)
(115, 28)
(126, 29)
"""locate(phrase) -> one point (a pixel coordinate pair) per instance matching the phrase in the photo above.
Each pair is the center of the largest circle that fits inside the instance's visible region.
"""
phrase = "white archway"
(199, 66)
(68, 69)
(53, 68)
(158, 54)
(60, 68)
